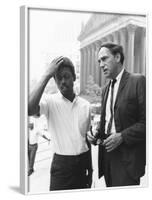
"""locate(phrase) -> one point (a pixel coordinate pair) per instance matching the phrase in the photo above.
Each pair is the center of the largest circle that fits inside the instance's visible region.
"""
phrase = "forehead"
(104, 52)
(64, 70)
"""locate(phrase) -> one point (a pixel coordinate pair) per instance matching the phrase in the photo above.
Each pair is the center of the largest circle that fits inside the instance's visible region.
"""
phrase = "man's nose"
(63, 80)
(101, 64)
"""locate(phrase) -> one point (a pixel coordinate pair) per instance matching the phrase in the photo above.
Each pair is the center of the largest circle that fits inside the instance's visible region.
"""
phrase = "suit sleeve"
(137, 132)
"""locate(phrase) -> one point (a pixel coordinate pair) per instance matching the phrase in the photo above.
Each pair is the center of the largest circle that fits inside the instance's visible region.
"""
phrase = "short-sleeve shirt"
(68, 123)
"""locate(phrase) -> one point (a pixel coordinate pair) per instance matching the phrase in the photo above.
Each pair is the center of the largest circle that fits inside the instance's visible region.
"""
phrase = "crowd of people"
(121, 131)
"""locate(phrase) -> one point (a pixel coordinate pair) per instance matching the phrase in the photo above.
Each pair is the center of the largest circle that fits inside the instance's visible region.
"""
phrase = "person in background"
(68, 117)
(34, 134)
(121, 135)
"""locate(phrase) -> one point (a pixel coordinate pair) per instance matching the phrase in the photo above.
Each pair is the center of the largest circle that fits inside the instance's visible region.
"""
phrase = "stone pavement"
(40, 179)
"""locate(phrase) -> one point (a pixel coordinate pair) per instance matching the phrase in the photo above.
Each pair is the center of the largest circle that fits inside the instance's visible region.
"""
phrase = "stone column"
(102, 77)
(85, 68)
(82, 68)
(87, 64)
(116, 37)
(131, 39)
(97, 68)
(93, 62)
(123, 44)
(109, 38)
(143, 52)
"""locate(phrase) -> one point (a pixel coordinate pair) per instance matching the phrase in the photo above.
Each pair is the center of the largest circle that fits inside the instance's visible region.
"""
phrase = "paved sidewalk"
(39, 181)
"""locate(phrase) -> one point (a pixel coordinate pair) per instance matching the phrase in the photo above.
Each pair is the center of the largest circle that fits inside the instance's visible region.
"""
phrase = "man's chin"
(107, 76)
(64, 91)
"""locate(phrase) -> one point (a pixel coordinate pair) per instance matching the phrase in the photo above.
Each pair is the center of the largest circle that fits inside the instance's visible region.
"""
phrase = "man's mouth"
(105, 71)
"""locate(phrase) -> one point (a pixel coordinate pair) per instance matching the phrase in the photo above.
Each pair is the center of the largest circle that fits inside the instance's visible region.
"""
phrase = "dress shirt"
(108, 113)
(68, 123)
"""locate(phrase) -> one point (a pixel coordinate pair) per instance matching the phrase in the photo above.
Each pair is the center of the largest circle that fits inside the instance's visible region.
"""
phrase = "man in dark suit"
(121, 135)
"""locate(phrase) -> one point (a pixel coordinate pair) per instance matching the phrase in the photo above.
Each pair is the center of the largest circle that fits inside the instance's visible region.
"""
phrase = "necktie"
(111, 107)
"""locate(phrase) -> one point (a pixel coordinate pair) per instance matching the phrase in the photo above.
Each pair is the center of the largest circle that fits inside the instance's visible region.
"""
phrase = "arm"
(137, 132)
(35, 96)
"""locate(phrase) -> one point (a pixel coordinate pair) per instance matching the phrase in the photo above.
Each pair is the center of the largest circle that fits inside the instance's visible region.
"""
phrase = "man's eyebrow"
(102, 58)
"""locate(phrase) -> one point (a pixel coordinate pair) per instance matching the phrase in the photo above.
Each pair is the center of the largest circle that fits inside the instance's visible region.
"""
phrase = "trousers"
(32, 148)
(71, 172)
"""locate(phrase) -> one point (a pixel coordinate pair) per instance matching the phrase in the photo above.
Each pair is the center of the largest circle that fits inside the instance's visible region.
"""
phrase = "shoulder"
(83, 101)
(137, 78)
(51, 97)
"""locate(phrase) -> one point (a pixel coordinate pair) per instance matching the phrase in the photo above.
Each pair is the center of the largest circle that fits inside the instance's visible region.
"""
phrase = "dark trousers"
(32, 148)
(115, 172)
(71, 172)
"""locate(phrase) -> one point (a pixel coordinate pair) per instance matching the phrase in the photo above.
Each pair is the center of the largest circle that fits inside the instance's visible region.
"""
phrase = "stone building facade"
(127, 30)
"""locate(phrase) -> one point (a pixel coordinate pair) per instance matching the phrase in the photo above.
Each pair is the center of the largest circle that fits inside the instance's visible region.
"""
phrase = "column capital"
(131, 28)
(144, 32)
(110, 37)
(103, 40)
(98, 43)
(93, 45)
(82, 49)
(88, 48)
(123, 30)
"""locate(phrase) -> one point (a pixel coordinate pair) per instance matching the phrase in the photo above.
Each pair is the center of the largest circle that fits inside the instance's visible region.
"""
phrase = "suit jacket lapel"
(123, 82)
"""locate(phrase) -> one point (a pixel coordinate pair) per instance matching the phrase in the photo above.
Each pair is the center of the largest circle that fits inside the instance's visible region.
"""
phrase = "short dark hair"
(114, 49)
(68, 64)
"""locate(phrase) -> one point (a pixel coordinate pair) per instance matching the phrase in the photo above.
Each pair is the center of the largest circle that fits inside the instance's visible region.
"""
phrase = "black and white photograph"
(84, 100)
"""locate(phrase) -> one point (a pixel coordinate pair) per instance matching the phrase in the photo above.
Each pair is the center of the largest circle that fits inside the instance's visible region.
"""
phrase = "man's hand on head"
(53, 66)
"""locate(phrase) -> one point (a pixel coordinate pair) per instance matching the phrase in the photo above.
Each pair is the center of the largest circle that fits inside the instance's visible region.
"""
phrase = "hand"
(91, 138)
(113, 141)
(53, 66)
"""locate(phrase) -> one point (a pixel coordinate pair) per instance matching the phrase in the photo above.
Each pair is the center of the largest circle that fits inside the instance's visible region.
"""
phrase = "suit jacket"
(130, 120)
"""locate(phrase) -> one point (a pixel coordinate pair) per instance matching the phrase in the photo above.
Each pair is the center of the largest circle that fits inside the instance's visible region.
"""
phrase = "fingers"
(110, 143)
(107, 141)
(57, 60)
(109, 149)
(91, 138)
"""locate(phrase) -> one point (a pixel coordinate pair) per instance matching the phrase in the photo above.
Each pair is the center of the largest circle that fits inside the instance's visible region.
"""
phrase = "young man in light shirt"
(68, 119)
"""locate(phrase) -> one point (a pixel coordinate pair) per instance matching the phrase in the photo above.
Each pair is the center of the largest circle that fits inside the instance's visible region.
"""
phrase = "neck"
(69, 96)
(118, 71)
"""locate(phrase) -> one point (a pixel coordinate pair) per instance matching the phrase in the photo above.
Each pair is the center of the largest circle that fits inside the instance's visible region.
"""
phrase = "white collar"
(120, 75)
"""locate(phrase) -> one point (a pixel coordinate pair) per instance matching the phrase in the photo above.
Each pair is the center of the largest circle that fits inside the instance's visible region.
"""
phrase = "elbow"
(33, 110)
(30, 111)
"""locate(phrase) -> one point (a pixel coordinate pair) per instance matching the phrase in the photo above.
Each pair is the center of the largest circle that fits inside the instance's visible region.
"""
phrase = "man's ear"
(117, 57)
